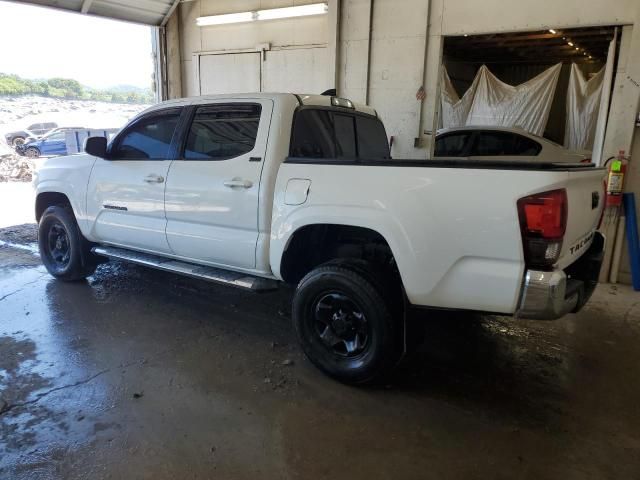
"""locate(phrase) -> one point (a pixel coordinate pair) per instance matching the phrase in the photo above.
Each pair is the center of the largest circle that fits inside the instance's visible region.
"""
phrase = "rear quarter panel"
(454, 232)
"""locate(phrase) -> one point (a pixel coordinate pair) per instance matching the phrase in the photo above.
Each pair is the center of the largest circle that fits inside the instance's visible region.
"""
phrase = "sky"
(38, 42)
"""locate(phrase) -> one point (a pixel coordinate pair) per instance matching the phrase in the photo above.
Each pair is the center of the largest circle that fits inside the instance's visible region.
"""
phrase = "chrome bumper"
(551, 295)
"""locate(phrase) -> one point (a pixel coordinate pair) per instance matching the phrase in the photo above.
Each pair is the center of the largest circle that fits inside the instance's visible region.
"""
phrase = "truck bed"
(452, 224)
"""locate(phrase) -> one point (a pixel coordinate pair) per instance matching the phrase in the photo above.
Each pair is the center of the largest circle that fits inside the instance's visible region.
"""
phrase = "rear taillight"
(543, 222)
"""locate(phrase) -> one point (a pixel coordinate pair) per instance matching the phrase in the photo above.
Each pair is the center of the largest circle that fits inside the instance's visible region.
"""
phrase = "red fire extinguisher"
(615, 180)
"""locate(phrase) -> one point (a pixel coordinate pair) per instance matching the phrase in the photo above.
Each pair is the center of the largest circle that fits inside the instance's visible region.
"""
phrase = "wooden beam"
(172, 9)
(509, 38)
(86, 5)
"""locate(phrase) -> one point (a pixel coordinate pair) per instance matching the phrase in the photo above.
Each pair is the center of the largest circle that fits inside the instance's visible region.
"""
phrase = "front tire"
(345, 325)
(32, 152)
(17, 141)
(64, 251)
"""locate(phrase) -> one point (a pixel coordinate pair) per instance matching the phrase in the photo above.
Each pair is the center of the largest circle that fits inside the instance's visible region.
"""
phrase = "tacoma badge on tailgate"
(581, 244)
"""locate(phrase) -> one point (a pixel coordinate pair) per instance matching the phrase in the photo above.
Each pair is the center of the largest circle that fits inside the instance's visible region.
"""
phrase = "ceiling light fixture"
(552, 31)
(270, 14)
(570, 43)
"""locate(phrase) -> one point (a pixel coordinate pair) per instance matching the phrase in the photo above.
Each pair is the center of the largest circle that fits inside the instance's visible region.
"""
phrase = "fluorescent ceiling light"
(290, 12)
(224, 19)
(570, 44)
(270, 14)
(552, 31)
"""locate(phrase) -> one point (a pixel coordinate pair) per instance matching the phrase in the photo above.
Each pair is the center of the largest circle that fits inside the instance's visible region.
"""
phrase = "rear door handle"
(238, 183)
(153, 178)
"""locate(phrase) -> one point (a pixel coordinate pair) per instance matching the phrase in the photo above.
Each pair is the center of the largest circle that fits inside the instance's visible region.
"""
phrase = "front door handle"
(153, 178)
(238, 183)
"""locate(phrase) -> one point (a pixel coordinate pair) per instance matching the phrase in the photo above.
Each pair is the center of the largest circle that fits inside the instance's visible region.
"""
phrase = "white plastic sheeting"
(489, 101)
(583, 104)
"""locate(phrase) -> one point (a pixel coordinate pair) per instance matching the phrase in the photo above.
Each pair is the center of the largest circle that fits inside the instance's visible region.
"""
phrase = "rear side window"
(149, 138)
(504, 143)
(329, 134)
(493, 143)
(451, 145)
(526, 146)
(221, 132)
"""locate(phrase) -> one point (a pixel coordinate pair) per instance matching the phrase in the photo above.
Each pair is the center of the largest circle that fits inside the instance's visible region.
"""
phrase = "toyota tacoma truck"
(256, 189)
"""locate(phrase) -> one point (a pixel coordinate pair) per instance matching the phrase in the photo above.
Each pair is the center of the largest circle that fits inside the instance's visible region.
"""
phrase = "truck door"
(125, 199)
(54, 144)
(211, 199)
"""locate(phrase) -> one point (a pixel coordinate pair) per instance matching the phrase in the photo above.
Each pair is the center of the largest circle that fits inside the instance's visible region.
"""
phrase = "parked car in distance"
(494, 143)
(35, 130)
(255, 189)
(61, 141)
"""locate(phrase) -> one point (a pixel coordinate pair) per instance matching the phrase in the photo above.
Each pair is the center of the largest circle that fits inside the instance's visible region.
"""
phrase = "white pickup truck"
(251, 190)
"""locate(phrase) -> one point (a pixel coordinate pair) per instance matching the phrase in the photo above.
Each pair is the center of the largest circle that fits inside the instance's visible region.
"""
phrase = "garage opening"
(530, 81)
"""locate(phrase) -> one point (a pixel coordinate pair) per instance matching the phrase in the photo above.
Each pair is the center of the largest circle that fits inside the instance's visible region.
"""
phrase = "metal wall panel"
(300, 70)
(230, 73)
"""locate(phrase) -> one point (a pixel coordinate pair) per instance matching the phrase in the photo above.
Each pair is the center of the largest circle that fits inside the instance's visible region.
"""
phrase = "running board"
(211, 274)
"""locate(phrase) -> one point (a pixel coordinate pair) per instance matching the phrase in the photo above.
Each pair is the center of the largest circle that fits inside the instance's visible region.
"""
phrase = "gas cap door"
(297, 191)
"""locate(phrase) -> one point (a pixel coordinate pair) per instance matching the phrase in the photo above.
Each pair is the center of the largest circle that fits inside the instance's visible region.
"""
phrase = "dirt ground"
(137, 373)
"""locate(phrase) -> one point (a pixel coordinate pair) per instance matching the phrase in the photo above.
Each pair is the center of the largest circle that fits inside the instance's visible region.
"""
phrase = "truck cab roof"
(301, 99)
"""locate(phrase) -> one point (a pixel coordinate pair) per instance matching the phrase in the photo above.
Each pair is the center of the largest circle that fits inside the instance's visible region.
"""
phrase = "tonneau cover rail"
(448, 163)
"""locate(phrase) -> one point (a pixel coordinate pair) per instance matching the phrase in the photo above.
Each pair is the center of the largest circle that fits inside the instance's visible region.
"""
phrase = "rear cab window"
(341, 135)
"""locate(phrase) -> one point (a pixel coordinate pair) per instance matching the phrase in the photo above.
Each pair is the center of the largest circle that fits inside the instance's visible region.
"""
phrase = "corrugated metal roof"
(148, 12)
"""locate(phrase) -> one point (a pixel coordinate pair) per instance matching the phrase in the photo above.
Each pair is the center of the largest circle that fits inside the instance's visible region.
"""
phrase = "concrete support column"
(174, 57)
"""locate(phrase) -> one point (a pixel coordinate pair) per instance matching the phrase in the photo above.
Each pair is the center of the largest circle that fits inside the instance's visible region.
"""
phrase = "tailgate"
(585, 195)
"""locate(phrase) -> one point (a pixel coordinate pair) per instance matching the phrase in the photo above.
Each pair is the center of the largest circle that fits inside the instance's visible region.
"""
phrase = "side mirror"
(96, 146)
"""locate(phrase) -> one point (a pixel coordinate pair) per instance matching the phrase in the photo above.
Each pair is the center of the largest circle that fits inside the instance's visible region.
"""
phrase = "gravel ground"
(15, 168)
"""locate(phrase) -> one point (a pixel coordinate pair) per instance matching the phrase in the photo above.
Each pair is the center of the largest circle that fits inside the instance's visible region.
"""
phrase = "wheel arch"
(313, 244)
(47, 199)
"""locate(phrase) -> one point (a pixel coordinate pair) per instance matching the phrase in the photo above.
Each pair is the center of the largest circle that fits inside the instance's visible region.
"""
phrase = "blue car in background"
(61, 141)
(53, 143)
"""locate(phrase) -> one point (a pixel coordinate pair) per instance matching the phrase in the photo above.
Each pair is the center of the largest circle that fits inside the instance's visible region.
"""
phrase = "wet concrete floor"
(142, 374)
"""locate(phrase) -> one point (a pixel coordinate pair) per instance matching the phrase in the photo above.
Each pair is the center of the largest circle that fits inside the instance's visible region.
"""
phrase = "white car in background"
(495, 143)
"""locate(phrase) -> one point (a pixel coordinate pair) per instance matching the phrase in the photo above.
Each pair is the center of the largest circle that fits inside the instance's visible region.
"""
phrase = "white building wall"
(382, 51)
(239, 37)
(385, 57)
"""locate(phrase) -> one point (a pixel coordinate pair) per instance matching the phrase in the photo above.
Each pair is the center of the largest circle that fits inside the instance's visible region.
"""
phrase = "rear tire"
(345, 325)
(65, 253)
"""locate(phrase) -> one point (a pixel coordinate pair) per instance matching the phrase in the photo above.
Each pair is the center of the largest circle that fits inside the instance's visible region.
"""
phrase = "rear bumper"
(551, 295)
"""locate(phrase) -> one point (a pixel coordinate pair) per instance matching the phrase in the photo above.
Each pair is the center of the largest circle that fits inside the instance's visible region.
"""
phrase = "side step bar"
(211, 274)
